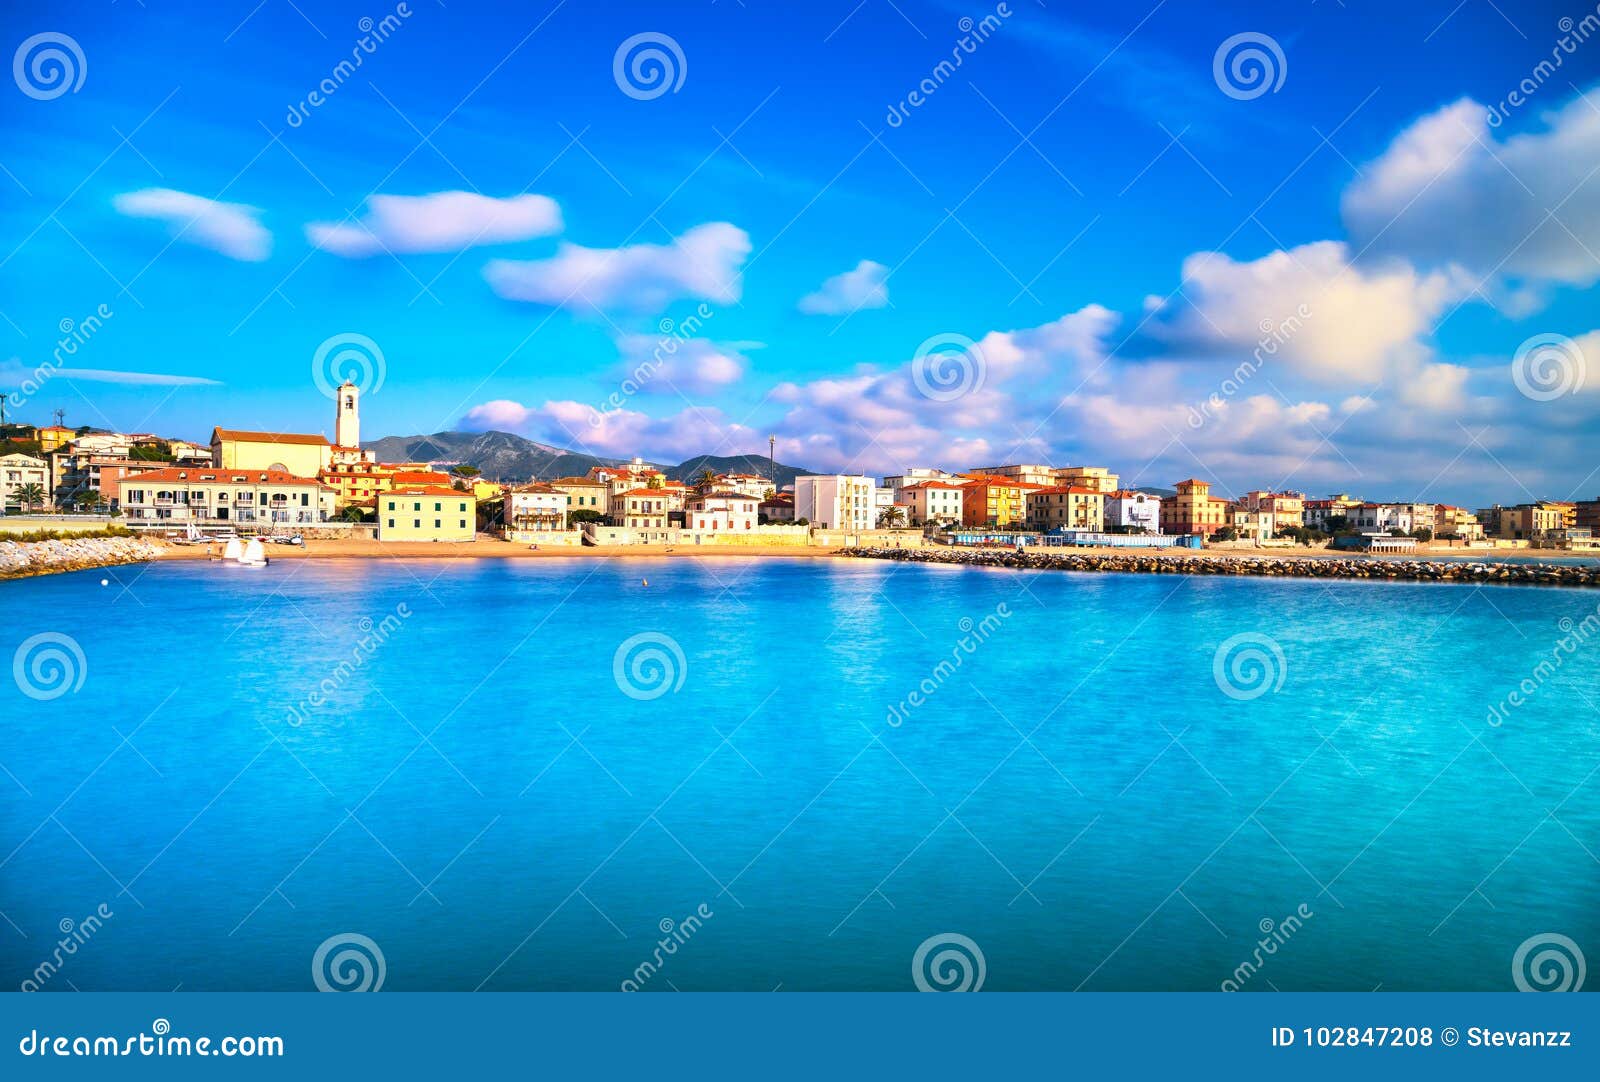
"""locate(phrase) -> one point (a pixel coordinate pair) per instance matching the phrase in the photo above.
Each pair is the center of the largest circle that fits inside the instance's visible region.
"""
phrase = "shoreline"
(1301, 565)
(493, 549)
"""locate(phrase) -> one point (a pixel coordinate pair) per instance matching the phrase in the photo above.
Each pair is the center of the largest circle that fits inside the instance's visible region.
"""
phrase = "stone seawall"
(1288, 567)
(19, 559)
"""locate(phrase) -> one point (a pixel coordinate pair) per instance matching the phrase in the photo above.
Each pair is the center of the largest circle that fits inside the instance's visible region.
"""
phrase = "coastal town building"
(1131, 511)
(1526, 521)
(1456, 523)
(427, 514)
(24, 482)
(995, 502)
(1193, 510)
(838, 501)
(1065, 507)
(1096, 477)
(1386, 517)
(1043, 476)
(932, 502)
(777, 508)
(916, 475)
(748, 484)
(1587, 515)
(1283, 510)
(584, 494)
(296, 453)
(206, 495)
(647, 509)
(1331, 513)
(52, 436)
(86, 480)
(533, 509)
(721, 511)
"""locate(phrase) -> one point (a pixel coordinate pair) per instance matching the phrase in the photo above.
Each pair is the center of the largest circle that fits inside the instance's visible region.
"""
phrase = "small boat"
(234, 551)
(254, 554)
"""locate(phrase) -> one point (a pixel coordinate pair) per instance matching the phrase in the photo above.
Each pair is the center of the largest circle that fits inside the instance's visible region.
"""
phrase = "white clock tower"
(347, 416)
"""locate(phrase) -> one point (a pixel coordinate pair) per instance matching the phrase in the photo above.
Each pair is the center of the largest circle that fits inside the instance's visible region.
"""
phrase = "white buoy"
(105, 582)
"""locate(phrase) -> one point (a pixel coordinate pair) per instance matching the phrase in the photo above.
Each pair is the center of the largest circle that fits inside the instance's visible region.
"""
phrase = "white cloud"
(669, 365)
(704, 263)
(501, 414)
(1450, 190)
(440, 222)
(230, 228)
(1328, 318)
(864, 287)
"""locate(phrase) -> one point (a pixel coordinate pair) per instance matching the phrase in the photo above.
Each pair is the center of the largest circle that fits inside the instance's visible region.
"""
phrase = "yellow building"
(994, 502)
(1193, 510)
(584, 495)
(486, 490)
(1069, 507)
(427, 514)
(54, 436)
(287, 452)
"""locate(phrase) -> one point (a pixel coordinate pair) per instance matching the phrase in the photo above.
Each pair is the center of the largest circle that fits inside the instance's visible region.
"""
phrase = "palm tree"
(30, 495)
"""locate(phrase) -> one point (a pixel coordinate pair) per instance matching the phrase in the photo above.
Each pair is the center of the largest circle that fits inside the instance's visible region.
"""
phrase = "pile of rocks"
(22, 558)
(1351, 567)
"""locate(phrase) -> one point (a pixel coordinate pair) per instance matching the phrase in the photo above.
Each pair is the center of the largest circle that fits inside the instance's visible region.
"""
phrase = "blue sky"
(1402, 248)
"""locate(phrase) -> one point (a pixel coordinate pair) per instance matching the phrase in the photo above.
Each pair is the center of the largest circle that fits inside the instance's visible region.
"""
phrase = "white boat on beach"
(251, 554)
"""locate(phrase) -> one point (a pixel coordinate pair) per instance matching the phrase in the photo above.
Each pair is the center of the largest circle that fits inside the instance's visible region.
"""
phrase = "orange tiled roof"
(245, 436)
(212, 474)
(429, 490)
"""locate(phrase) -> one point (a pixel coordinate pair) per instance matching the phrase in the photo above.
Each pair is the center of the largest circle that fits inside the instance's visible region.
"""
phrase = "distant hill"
(505, 456)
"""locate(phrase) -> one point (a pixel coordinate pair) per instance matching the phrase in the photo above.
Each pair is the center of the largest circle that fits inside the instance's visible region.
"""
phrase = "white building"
(1383, 517)
(934, 501)
(1133, 511)
(837, 501)
(533, 510)
(17, 471)
(748, 484)
(722, 511)
(914, 476)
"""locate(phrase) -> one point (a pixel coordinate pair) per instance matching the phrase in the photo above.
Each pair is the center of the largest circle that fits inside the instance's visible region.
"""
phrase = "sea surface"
(707, 774)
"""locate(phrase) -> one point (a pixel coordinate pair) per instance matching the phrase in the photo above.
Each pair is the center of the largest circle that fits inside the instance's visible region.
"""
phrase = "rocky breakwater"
(19, 559)
(1309, 567)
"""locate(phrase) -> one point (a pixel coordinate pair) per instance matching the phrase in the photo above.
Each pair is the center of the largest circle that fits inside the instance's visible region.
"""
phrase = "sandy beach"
(489, 548)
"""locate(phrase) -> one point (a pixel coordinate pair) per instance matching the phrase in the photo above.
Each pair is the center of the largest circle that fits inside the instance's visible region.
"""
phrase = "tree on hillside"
(467, 471)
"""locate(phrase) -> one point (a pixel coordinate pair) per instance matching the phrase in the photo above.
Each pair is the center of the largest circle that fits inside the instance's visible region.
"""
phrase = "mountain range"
(505, 456)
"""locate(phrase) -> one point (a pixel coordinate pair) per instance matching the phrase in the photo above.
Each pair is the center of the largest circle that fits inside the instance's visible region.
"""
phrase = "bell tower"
(347, 415)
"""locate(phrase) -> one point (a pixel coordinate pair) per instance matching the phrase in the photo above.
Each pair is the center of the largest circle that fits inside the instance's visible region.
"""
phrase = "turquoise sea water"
(237, 779)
